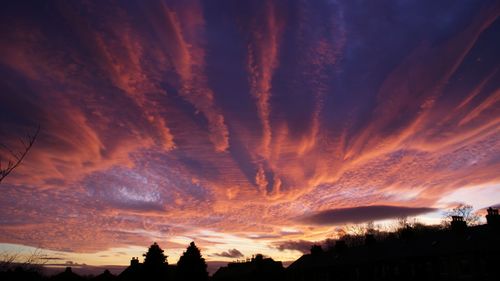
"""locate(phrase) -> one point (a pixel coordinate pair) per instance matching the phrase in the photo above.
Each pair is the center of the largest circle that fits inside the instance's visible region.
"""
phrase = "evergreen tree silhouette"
(155, 264)
(191, 265)
(154, 256)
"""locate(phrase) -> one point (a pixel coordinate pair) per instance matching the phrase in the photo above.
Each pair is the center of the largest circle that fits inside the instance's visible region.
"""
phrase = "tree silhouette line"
(190, 267)
(452, 251)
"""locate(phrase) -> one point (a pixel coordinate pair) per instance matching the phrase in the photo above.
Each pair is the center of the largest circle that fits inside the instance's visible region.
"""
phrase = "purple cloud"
(232, 253)
(363, 214)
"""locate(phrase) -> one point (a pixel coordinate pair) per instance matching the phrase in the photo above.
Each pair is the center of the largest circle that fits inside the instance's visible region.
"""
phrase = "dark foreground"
(415, 252)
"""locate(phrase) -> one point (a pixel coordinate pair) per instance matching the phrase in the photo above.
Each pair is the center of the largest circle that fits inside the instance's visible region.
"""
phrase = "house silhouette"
(459, 253)
(258, 268)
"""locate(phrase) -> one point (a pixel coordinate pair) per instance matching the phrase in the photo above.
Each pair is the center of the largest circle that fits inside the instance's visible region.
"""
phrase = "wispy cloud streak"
(228, 122)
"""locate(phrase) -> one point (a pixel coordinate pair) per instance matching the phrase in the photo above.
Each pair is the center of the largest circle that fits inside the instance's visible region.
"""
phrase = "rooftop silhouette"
(457, 252)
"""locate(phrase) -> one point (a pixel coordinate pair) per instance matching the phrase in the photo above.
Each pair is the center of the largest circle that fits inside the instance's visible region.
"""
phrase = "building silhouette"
(458, 253)
(492, 218)
(105, 276)
(67, 275)
(258, 268)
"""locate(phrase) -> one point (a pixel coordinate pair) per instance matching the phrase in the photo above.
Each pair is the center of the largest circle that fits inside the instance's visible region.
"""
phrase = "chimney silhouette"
(458, 224)
(134, 261)
(493, 218)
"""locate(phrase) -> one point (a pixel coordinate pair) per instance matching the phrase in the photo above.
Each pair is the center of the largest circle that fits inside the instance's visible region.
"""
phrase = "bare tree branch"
(33, 261)
(17, 157)
(7, 259)
(462, 210)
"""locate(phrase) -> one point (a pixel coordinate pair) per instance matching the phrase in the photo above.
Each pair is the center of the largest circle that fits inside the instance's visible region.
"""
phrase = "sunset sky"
(246, 126)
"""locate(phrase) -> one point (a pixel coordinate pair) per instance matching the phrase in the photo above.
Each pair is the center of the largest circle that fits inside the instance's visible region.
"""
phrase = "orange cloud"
(188, 58)
(263, 57)
(143, 137)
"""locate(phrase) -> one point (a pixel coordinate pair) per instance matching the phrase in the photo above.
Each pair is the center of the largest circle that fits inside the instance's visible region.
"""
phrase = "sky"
(246, 126)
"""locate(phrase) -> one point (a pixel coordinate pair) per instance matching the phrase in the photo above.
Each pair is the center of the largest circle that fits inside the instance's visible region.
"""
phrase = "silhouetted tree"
(32, 262)
(462, 210)
(154, 256)
(14, 158)
(155, 264)
(191, 265)
(19, 267)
